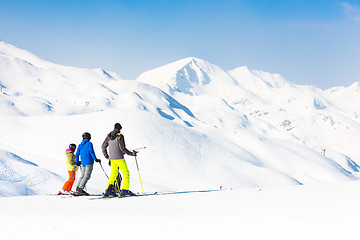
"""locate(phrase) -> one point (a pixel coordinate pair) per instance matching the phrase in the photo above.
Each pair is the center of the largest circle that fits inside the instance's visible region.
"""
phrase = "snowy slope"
(21, 177)
(33, 86)
(268, 105)
(317, 211)
(203, 127)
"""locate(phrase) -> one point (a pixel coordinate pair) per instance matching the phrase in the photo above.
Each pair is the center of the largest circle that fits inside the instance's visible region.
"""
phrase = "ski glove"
(98, 160)
(134, 153)
(78, 163)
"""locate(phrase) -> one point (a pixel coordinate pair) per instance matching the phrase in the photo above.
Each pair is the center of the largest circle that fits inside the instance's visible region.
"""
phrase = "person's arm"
(123, 147)
(72, 160)
(77, 155)
(92, 152)
(104, 147)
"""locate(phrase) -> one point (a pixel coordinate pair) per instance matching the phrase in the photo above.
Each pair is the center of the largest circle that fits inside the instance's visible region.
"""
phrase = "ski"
(74, 195)
(116, 197)
(103, 197)
(140, 195)
(90, 195)
(59, 194)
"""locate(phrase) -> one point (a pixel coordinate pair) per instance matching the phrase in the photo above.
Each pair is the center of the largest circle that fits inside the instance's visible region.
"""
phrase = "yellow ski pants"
(115, 164)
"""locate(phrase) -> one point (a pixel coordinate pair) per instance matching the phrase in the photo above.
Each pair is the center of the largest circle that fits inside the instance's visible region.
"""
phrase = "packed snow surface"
(317, 211)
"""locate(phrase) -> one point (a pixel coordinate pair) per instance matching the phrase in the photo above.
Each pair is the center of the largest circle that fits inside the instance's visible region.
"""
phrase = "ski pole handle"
(139, 148)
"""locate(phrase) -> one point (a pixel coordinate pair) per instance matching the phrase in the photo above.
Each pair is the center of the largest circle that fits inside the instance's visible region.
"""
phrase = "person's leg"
(117, 183)
(87, 174)
(72, 180)
(126, 175)
(82, 168)
(68, 182)
(114, 172)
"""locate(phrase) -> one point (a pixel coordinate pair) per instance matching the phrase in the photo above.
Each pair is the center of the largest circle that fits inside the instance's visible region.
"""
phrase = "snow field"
(319, 211)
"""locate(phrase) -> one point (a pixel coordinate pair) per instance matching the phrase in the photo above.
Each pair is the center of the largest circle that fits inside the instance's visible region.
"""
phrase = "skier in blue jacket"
(86, 152)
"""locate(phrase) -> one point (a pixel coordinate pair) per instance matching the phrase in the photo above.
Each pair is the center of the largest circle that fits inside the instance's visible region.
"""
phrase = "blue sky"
(309, 42)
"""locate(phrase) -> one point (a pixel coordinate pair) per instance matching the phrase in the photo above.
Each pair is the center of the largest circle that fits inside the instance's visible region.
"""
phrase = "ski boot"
(126, 193)
(81, 192)
(64, 192)
(110, 192)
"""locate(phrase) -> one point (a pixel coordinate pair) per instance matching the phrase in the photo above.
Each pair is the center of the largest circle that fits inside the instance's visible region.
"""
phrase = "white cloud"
(352, 11)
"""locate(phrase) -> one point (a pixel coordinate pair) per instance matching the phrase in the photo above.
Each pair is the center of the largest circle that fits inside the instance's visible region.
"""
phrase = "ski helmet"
(118, 126)
(86, 135)
(72, 147)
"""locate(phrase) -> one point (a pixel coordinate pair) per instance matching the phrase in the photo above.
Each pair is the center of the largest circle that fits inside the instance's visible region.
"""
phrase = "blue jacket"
(86, 151)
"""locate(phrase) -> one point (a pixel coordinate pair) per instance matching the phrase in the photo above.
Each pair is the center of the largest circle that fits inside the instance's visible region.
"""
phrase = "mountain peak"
(191, 60)
(191, 76)
(257, 78)
(355, 86)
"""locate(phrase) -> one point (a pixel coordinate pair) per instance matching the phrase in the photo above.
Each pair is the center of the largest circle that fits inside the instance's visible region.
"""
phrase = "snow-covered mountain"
(32, 86)
(191, 76)
(264, 103)
(203, 126)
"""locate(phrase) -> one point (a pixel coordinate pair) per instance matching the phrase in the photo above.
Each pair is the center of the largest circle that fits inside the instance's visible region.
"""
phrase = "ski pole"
(76, 179)
(139, 176)
(104, 170)
(118, 181)
(139, 148)
(118, 185)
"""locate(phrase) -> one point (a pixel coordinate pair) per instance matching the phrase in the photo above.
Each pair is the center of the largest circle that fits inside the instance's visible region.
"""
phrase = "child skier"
(71, 167)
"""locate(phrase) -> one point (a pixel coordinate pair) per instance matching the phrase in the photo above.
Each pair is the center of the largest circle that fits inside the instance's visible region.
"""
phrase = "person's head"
(72, 147)
(86, 136)
(117, 126)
